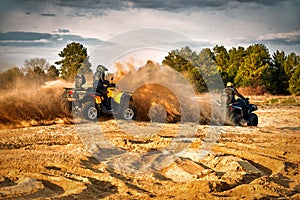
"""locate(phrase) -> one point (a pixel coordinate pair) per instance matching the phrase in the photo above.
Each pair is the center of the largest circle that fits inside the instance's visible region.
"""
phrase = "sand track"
(245, 162)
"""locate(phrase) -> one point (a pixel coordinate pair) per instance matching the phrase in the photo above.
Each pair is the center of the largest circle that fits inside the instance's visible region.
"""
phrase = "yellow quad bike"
(118, 104)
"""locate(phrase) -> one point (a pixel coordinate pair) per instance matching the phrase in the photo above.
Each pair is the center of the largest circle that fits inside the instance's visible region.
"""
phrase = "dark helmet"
(101, 68)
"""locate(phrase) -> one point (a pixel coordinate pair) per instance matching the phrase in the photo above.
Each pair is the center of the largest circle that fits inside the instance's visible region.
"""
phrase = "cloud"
(77, 15)
(288, 36)
(169, 5)
(291, 38)
(15, 47)
(262, 2)
(27, 39)
(63, 30)
(47, 14)
(23, 36)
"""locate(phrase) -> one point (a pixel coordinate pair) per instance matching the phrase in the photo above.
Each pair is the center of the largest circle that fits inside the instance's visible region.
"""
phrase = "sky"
(113, 30)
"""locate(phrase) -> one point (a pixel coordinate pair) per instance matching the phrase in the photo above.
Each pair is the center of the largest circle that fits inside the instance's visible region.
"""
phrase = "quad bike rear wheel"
(66, 107)
(89, 111)
(236, 119)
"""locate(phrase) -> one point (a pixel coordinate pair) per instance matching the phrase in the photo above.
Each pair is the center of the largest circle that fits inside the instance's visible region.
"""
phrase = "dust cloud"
(162, 94)
(33, 105)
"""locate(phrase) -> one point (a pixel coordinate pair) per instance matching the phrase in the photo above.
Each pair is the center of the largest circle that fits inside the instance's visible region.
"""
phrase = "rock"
(25, 186)
(2, 179)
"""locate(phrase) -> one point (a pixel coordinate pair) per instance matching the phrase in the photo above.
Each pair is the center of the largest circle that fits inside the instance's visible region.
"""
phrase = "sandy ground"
(58, 161)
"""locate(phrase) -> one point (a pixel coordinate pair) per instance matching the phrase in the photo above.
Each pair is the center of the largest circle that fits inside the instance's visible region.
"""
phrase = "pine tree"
(74, 58)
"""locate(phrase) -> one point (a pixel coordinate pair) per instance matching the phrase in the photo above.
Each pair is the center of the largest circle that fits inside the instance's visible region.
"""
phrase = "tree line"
(37, 71)
(252, 67)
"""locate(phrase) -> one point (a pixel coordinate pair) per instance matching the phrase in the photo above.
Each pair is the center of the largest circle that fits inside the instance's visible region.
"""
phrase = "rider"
(99, 75)
(79, 81)
(99, 81)
(231, 91)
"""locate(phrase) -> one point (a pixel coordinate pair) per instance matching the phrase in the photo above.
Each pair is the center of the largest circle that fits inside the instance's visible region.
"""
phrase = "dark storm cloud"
(26, 39)
(92, 4)
(47, 14)
(168, 5)
(23, 36)
(262, 2)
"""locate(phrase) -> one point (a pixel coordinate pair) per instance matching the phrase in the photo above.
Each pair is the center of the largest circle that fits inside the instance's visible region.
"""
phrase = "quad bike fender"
(126, 97)
(98, 100)
(236, 109)
(122, 100)
(118, 98)
(253, 107)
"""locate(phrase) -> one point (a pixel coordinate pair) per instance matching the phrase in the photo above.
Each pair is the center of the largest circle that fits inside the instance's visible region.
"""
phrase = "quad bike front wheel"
(253, 120)
(128, 113)
(89, 111)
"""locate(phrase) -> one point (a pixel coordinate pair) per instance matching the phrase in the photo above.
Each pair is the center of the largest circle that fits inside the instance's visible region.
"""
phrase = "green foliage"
(283, 101)
(277, 79)
(290, 64)
(252, 67)
(294, 82)
(198, 68)
(74, 59)
(222, 58)
(52, 73)
(236, 59)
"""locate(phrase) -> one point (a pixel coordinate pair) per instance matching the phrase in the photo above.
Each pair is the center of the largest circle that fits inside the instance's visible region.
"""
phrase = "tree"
(290, 64)
(179, 59)
(221, 58)
(198, 68)
(11, 78)
(277, 79)
(208, 70)
(251, 67)
(52, 73)
(74, 57)
(236, 59)
(294, 82)
(254, 65)
(35, 69)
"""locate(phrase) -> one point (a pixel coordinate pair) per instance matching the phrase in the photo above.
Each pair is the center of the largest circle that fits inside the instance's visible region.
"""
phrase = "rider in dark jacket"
(99, 75)
(231, 91)
(99, 81)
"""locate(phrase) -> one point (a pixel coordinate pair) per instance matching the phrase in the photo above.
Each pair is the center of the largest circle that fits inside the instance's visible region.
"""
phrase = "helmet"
(229, 84)
(79, 80)
(101, 68)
